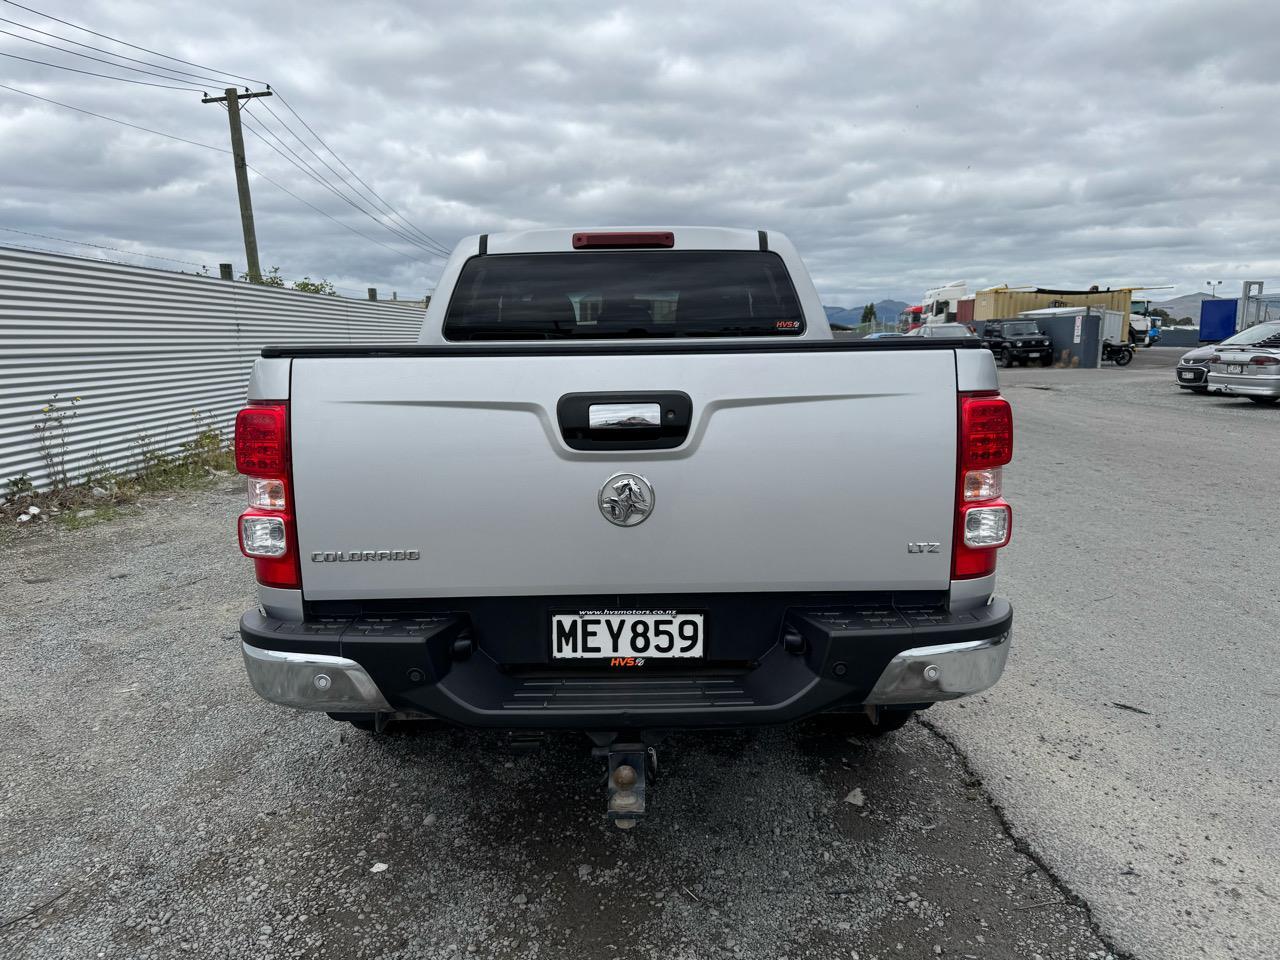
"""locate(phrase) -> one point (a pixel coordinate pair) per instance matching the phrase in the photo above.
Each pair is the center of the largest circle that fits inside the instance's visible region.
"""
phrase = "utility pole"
(232, 99)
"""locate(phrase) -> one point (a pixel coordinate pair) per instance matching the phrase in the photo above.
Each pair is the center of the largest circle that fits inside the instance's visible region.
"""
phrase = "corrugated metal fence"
(155, 357)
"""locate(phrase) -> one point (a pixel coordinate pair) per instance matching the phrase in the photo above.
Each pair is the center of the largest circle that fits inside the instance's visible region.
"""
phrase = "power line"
(289, 107)
(379, 202)
(425, 241)
(118, 56)
(202, 266)
(206, 146)
(76, 53)
(368, 192)
(134, 46)
(415, 234)
(258, 130)
(123, 123)
(313, 206)
(306, 168)
(346, 226)
(100, 246)
(104, 76)
(392, 210)
(13, 245)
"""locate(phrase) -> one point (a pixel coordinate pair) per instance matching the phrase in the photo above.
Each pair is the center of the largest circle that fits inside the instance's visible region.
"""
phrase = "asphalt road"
(151, 806)
(1133, 739)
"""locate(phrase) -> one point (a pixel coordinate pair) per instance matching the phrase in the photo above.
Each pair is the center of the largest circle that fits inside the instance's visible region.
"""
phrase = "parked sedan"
(1248, 364)
(1192, 371)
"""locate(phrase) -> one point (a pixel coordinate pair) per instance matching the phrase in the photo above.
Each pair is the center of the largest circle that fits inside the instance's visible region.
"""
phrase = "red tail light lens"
(983, 519)
(262, 440)
(267, 532)
(986, 432)
(1265, 361)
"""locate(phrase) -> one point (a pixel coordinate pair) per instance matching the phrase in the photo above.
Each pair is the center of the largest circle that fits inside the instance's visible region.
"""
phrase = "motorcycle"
(1118, 353)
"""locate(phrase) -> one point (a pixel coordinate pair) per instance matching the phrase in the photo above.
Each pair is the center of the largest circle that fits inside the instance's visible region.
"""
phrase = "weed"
(19, 487)
(197, 463)
(51, 437)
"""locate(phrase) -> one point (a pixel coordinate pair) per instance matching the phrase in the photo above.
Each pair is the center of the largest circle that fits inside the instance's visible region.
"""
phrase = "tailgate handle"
(641, 420)
(623, 416)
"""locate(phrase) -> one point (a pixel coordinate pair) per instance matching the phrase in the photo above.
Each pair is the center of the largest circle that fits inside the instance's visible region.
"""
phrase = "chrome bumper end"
(944, 672)
(312, 681)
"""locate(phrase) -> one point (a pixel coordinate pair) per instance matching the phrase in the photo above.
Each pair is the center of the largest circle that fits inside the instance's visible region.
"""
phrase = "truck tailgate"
(802, 470)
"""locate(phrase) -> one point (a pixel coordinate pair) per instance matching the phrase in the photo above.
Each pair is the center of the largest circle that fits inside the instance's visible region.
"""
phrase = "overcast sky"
(899, 145)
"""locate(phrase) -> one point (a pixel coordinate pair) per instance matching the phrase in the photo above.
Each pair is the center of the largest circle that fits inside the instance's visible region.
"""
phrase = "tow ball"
(632, 766)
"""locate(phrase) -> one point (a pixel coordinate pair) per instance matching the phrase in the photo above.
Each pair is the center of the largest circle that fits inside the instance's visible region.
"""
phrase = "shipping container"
(1000, 302)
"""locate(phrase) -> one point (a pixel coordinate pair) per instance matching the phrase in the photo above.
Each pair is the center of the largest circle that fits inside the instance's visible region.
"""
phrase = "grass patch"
(88, 516)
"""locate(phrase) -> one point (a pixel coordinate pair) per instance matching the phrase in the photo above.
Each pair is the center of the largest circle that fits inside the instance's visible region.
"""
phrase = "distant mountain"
(1184, 306)
(852, 316)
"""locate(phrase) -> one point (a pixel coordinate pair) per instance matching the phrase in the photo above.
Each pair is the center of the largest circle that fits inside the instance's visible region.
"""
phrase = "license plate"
(1235, 368)
(658, 634)
(1187, 375)
(1033, 354)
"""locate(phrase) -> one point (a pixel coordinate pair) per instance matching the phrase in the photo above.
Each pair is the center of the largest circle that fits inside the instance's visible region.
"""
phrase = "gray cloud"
(898, 146)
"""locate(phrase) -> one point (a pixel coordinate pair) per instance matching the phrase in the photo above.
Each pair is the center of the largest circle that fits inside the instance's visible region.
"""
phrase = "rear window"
(1256, 335)
(623, 294)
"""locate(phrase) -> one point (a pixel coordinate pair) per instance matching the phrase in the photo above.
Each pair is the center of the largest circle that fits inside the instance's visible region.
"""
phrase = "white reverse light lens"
(266, 494)
(262, 536)
(982, 484)
(986, 527)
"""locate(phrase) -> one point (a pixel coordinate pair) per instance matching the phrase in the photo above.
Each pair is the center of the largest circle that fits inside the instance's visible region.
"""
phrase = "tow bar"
(631, 767)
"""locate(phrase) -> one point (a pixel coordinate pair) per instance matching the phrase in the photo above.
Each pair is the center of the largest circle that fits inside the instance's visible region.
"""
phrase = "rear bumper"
(1263, 385)
(835, 658)
(312, 681)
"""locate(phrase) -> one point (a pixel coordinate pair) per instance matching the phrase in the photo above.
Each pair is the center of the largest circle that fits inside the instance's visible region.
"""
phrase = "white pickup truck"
(627, 482)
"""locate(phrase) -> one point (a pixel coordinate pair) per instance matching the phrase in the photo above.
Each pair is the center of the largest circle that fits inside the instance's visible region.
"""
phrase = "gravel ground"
(1133, 738)
(153, 807)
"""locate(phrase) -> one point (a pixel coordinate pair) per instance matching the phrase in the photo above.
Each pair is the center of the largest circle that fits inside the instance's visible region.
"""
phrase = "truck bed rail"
(611, 348)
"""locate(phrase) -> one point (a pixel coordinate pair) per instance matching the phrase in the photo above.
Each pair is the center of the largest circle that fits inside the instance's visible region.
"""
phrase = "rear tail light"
(986, 431)
(1265, 361)
(987, 526)
(982, 484)
(267, 531)
(263, 536)
(267, 494)
(262, 448)
(983, 520)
